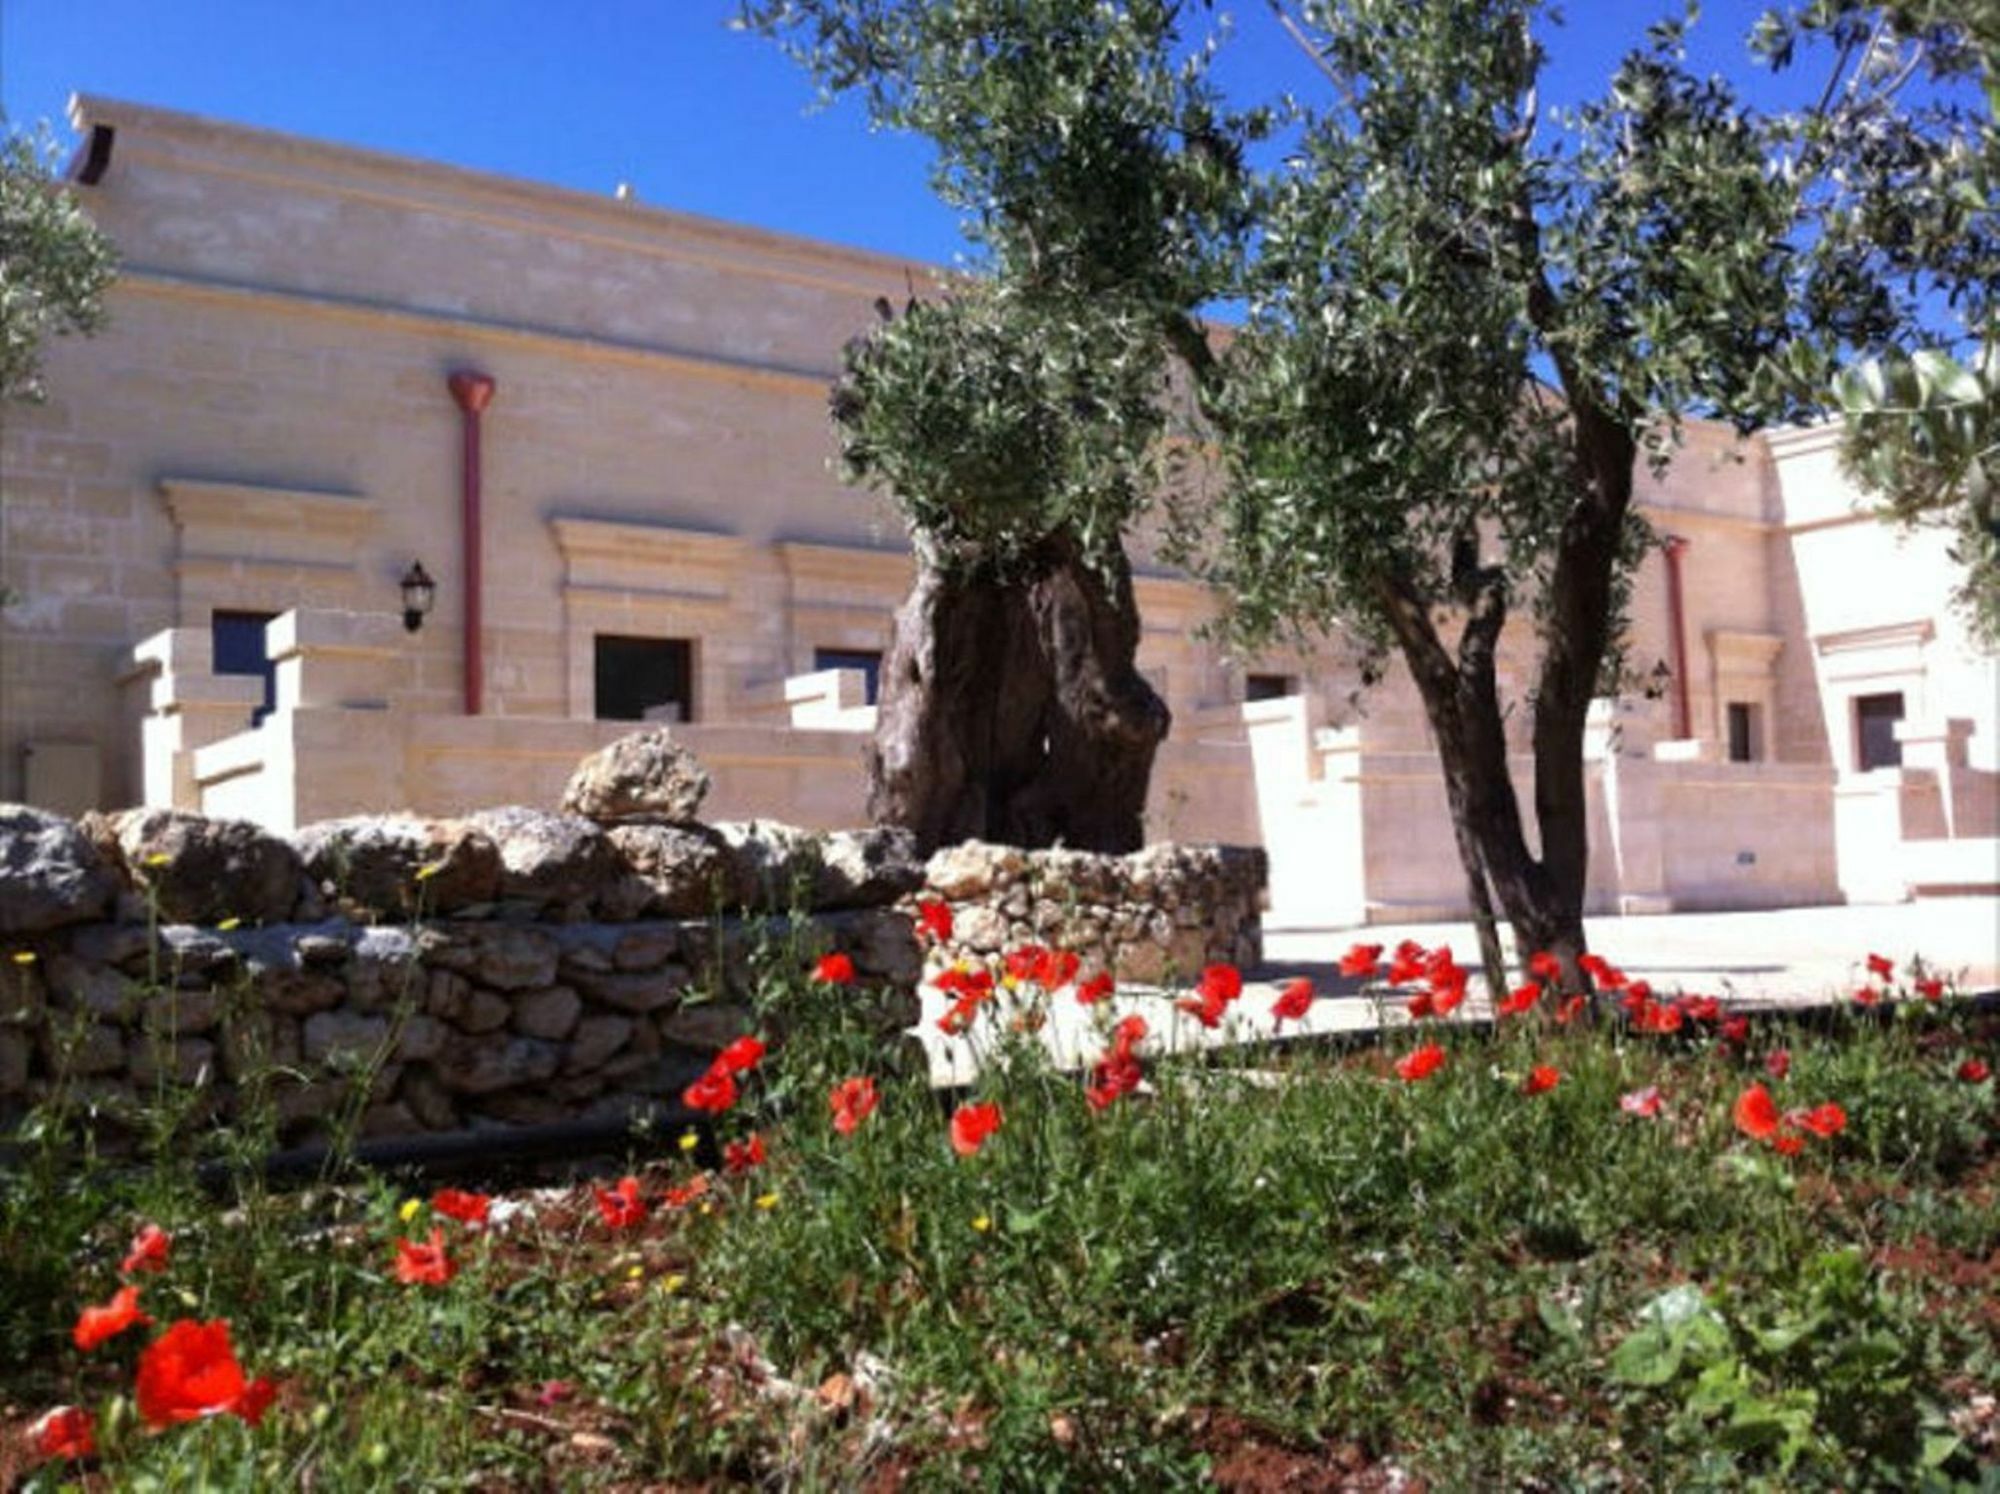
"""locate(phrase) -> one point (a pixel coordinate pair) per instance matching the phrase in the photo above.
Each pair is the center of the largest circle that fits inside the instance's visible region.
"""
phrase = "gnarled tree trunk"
(1013, 712)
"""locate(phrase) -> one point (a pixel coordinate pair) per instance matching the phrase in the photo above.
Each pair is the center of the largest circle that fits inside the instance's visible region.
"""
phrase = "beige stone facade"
(265, 431)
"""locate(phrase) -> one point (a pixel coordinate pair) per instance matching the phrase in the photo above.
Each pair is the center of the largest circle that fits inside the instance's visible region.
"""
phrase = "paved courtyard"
(1791, 955)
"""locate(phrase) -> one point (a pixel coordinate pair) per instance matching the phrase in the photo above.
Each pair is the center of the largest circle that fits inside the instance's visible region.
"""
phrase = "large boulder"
(646, 778)
(560, 859)
(50, 873)
(198, 870)
(686, 869)
(397, 865)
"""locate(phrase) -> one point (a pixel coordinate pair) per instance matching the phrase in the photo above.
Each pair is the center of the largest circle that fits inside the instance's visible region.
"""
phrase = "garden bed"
(1663, 1248)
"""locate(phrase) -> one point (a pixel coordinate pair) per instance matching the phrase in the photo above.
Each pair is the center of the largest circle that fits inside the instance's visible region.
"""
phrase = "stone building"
(600, 429)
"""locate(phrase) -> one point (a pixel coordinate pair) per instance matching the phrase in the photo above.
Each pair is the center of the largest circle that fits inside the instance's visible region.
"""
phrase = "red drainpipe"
(474, 392)
(1675, 547)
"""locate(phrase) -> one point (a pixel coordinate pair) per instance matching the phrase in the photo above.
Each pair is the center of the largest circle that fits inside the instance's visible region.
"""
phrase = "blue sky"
(593, 92)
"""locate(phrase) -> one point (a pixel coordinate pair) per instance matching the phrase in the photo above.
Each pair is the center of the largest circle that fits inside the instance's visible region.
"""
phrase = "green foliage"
(1907, 203)
(1446, 280)
(993, 425)
(1476, 1286)
(54, 263)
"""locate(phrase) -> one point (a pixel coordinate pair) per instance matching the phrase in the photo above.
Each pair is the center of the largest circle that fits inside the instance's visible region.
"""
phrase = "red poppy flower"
(66, 1432)
(1778, 1062)
(1736, 1030)
(1824, 1121)
(971, 1125)
(1113, 1076)
(620, 1205)
(1788, 1143)
(959, 1017)
(1881, 967)
(1651, 1016)
(934, 920)
(1931, 989)
(1545, 966)
(969, 985)
(1095, 989)
(688, 1192)
(1209, 1010)
(1057, 970)
(466, 1208)
(834, 970)
(1541, 1079)
(714, 1091)
(741, 1056)
(1407, 963)
(1975, 1071)
(1519, 1000)
(150, 1250)
(1756, 1114)
(1866, 995)
(1421, 1005)
(1220, 982)
(424, 1265)
(190, 1372)
(1447, 999)
(1421, 1063)
(1572, 1006)
(1641, 1102)
(95, 1324)
(1293, 1002)
(1025, 964)
(1601, 970)
(852, 1102)
(741, 1156)
(1362, 960)
(1701, 1008)
(1128, 1034)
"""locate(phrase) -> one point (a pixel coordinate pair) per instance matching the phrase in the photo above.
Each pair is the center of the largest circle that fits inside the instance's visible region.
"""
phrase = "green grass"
(1301, 1262)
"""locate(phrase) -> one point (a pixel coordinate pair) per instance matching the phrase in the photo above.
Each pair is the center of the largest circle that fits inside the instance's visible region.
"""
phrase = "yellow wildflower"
(227, 924)
(24, 957)
(767, 1200)
(982, 1223)
(429, 870)
(673, 1283)
(158, 858)
(689, 1141)
(410, 1210)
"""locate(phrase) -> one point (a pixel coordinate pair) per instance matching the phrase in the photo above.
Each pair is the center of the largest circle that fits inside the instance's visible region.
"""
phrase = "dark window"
(640, 679)
(237, 641)
(1268, 686)
(1742, 732)
(868, 661)
(1875, 718)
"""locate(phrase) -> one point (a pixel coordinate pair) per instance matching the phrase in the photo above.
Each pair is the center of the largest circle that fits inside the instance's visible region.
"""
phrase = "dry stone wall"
(1160, 914)
(511, 967)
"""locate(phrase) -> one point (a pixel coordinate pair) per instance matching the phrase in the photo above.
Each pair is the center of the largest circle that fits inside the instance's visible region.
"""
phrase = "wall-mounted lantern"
(419, 594)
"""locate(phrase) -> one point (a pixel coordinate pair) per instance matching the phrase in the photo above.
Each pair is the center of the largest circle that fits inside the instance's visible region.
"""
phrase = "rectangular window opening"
(644, 679)
(1268, 687)
(1875, 718)
(236, 640)
(1742, 732)
(867, 660)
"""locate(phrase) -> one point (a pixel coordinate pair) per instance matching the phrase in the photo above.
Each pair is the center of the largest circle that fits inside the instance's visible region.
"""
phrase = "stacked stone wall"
(511, 967)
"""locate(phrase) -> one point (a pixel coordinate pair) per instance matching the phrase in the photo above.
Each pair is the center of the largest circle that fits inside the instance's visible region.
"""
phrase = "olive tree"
(1463, 327)
(1018, 419)
(54, 263)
